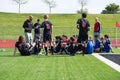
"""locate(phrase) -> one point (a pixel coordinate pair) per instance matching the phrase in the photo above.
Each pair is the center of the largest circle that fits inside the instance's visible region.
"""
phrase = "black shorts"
(47, 38)
(82, 38)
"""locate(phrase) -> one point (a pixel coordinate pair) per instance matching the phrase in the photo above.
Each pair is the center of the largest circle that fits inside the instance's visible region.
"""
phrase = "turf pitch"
(56, 67)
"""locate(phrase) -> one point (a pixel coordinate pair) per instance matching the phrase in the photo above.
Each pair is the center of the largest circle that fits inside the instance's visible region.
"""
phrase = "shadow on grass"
(50, 56)
(40, 56)
(58, 55)
(35, 56)
(9, 56)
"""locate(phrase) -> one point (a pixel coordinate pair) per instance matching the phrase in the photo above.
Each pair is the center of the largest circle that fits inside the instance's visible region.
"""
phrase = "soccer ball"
(3, 50)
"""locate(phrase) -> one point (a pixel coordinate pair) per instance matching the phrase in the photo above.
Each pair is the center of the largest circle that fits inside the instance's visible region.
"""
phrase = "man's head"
(46, 16)
(30, 17)
(96, 19)
(72, 39)
(58, 38)
(64, 37)
(84, 15)
(21, 39)
(90, 38)
(102, 38)
(38, 38)
(38, 20)
(106, 36)
(96, 37)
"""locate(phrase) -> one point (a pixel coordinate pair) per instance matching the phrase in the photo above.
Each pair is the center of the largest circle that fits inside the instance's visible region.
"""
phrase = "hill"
(11, 23)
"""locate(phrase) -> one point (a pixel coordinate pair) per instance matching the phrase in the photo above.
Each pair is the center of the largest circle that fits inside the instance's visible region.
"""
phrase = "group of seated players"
(63, 45)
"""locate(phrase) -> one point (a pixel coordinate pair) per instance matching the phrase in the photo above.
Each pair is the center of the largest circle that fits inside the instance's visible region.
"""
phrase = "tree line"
(109, 9)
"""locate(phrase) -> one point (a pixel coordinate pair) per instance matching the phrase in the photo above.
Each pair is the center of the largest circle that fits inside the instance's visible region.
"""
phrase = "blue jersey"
(96, 44)
(107, 45)
(89, 47)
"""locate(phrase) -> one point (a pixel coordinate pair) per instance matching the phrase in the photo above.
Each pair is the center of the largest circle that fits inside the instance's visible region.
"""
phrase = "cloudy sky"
(63, 6)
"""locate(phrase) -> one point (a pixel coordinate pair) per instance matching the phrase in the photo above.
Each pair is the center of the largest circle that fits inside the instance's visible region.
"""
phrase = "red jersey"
(67, 41)
(97, 27)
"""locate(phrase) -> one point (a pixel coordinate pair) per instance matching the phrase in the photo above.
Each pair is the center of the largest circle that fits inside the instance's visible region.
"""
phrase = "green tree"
(111, 9)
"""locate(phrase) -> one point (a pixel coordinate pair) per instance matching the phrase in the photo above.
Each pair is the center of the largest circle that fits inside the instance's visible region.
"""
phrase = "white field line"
(108, 62)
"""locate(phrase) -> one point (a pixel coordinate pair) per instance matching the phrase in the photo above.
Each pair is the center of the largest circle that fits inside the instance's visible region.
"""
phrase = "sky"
(63, 6)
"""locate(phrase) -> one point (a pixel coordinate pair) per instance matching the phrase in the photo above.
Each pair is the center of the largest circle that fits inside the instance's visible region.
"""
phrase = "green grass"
(56, 67)
(11, 24)
(59, 20)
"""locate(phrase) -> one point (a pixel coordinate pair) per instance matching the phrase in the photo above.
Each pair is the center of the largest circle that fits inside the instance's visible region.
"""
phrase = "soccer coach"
(28, 25)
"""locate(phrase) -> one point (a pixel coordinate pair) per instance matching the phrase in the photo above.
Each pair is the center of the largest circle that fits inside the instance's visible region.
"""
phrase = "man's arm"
(78, 27)
(99, 27)
(88, 26)
(36, 26)
(109, 44)
(15, 49)
(51, 28)
(110, 48)
(78, 22)
(25, 26)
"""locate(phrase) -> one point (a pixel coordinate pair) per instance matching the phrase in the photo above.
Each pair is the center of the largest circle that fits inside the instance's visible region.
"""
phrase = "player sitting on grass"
(90, 48)
(107, 44)
(86, 47)
(72, 47)
(22, 47)
(61, 45)
(38, 46)
(96, 44)
(65, 39)
(57, 46)
(26, 49)
(102, 40)
(64, 44)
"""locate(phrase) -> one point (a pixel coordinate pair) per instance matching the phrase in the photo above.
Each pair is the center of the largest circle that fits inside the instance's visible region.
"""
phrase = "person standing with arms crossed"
(97, 28)
(47, 33)
(83, 26)
(28, 25)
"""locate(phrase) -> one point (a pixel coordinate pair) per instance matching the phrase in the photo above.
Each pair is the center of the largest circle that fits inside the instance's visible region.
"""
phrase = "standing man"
(97, 27)
(37, 27)
(28, 25)
(83, 26)
(47, 34)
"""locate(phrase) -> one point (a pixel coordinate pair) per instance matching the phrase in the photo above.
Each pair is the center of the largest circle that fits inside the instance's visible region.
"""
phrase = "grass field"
(56, 67)
(11, 24)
